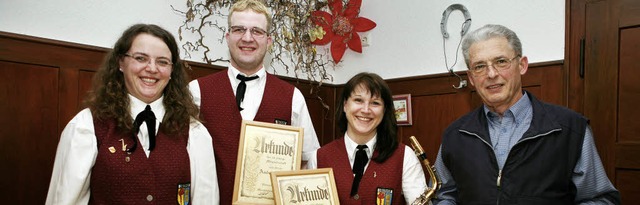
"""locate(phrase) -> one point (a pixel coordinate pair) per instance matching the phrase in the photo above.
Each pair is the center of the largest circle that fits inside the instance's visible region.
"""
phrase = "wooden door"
(609, 32)
(28, 130)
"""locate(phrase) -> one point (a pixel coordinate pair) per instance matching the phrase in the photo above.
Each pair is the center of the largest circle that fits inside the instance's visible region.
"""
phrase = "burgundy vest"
(116, 181)
(386, 175)
(222, 119)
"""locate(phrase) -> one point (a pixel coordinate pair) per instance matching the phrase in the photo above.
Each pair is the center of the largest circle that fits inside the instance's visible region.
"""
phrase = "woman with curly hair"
(140, 139)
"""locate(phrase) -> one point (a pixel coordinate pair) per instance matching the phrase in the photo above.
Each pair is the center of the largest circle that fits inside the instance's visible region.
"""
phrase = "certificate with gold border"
(313, 187)
(264, 148)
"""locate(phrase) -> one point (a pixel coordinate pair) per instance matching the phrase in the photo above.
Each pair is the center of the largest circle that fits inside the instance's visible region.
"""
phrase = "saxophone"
(429, 192)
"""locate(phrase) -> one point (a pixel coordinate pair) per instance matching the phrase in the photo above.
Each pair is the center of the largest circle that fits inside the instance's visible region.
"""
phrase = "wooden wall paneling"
(327, 113)
(627, 144)
(427, 85)
(40, 96)
(69, 94)
(610, 30)
(574, 35)
(547, 76)
(628, 156)
(629, 13)
(431, 96)
(545, 83)
(338, 94)
(321, 105)
(600, 83)
(627, 172)
(628, 86)
(85, 78)
(432, 115)
(29, 133)
(476, 101)
(197, 70)
(627, 182)
(34, 50)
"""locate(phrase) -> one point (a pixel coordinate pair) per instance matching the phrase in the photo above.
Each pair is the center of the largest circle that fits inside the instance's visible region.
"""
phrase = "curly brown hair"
(108, 97)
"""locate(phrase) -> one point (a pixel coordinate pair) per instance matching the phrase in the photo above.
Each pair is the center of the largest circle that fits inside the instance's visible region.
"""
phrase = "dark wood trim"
(47, 41)
(574, 34)
(464, 73)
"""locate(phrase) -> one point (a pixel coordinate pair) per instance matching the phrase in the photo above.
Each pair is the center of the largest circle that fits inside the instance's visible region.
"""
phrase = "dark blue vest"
(539, 167)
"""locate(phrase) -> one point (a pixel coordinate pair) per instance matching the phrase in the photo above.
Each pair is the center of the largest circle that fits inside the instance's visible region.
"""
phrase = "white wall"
(406, 41)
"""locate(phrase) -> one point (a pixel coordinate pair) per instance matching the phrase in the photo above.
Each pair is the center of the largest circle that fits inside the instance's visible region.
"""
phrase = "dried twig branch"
(292, 48)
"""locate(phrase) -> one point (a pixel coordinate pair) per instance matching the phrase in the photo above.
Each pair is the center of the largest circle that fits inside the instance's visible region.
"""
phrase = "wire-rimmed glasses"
(241, 30)
(500, 64)
(142, 58)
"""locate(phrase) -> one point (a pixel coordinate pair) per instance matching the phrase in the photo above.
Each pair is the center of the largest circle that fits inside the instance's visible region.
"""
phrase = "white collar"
(233, 72)
(352, 146)
(138, 106)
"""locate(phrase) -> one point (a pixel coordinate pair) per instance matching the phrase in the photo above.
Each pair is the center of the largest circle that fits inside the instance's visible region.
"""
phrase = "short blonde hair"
(257, 6)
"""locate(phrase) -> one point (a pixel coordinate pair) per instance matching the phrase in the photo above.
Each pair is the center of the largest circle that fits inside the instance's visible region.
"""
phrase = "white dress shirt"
(413, 179)
(253, 97)
(78, 149)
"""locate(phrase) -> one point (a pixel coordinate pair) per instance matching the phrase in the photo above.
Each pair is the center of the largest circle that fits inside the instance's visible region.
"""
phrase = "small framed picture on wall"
(402, 106)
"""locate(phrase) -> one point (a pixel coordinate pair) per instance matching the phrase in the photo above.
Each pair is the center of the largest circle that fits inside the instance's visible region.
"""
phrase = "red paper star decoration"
(340, 27)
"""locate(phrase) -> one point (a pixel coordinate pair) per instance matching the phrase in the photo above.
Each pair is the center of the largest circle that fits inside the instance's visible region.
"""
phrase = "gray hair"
(487, 32)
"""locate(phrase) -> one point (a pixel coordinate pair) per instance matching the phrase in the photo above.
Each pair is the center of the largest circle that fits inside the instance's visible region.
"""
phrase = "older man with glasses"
(516, 149)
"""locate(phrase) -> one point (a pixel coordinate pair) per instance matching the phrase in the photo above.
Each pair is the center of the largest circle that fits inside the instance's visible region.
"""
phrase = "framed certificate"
(264, 148)
(312, 186)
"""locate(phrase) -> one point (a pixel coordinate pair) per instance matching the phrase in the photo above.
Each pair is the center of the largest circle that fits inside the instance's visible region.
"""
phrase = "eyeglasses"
(241, 30)
(500, 64)
(145, 59)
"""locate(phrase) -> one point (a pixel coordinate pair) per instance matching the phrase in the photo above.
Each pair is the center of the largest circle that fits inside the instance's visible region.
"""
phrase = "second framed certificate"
(315, 186)
(264, 148)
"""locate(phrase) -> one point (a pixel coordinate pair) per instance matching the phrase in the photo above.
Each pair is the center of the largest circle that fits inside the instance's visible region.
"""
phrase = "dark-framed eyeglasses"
(142, 58)
(500, 64)
(241, 30)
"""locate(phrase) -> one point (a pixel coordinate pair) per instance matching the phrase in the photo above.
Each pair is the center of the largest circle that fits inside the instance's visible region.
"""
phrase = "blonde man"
(245, 91)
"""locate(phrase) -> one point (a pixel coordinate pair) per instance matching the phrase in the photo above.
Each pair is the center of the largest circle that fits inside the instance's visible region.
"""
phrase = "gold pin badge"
(112, 149)
(127, 159)
(124, 146)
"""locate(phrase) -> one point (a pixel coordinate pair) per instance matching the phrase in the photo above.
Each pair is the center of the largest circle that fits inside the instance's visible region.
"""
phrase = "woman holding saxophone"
(369, 164)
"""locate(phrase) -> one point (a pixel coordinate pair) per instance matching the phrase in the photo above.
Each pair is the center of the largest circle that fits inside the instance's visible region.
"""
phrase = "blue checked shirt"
(505, 131)
(589, 176)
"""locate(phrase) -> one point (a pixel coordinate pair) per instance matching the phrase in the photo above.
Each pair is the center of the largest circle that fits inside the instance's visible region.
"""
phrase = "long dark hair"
(387, 138)
(108, 97)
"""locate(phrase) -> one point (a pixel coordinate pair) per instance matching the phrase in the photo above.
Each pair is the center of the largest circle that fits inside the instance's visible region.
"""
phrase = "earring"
(120, 69)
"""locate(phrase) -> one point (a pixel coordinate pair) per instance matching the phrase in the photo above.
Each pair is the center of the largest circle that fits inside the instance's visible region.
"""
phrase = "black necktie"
(148, 117)
(358, 167)
(242, 87)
